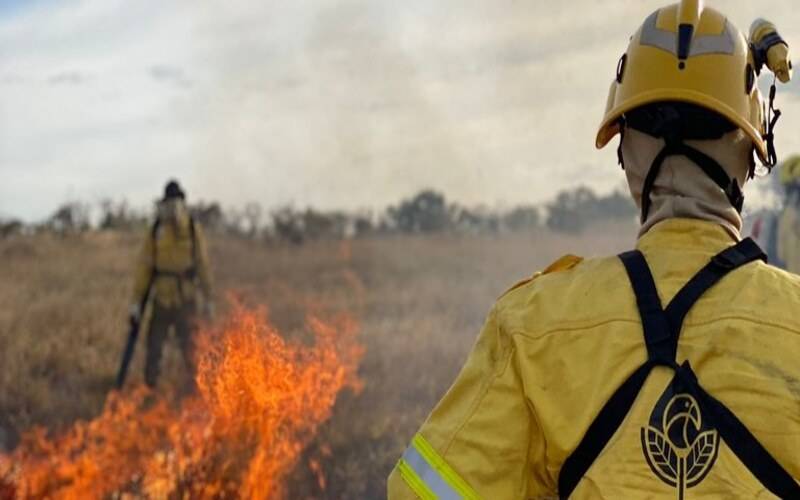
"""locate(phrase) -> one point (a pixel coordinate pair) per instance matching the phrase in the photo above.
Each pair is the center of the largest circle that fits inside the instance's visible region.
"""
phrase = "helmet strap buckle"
(735, 195)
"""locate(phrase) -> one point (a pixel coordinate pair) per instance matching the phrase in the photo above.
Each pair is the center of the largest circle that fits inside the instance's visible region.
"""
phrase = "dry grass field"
(420, 302)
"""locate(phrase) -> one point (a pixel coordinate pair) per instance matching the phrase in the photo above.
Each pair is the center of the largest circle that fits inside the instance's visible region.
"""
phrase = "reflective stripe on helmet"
(429, 476)
(701, 45)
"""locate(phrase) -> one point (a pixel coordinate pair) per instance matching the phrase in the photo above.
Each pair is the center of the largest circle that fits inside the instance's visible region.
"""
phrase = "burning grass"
(261, 399)
(419, 303)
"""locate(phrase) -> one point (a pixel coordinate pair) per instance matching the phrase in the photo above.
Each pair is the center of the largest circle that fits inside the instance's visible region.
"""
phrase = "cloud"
(68, 78)
(11, 79)
(170, 74)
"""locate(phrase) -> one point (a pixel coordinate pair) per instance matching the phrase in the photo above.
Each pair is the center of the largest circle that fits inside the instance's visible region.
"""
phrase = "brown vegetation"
(420, 301)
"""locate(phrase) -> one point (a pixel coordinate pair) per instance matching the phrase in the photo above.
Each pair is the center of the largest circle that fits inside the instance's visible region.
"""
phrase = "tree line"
(426, 212)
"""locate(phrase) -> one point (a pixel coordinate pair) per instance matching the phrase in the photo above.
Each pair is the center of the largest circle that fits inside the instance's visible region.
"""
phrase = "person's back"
(669, 371)
(742, 339)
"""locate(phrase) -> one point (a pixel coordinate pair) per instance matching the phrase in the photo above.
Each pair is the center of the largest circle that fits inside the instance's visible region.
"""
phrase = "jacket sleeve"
(203, 267)
(144, 267)
(482, 440)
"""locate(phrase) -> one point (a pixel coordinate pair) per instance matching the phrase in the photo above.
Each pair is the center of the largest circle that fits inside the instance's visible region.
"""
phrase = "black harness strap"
(661, 332)
(721, 264)
(656, 328)
(601, 430)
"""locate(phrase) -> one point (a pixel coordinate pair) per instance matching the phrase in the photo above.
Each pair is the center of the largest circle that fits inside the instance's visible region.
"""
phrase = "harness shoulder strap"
(657, 334)
(721, 264)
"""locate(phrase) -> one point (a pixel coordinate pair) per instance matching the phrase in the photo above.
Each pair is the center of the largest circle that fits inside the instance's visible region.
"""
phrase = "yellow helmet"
(692, 54)
(790, 170)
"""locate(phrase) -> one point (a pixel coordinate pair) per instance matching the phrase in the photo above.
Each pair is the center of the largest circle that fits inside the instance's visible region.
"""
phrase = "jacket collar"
(686, 234)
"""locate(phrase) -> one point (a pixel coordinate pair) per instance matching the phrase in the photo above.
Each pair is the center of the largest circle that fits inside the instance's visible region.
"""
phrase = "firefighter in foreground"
(789, 223)
(173, 269)
(670, 371)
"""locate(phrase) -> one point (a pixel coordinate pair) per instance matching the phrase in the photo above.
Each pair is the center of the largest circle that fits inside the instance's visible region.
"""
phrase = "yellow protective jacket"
(180, 265)
(555, 348)
(789, 238)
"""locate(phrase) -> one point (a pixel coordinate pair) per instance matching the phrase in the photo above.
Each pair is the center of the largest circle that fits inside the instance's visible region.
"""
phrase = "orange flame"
(261, 400)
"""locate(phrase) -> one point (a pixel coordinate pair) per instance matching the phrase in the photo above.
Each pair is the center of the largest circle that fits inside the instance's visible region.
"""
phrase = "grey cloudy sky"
(332, 103)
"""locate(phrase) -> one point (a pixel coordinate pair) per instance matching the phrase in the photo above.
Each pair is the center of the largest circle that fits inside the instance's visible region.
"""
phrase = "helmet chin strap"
(709, 166)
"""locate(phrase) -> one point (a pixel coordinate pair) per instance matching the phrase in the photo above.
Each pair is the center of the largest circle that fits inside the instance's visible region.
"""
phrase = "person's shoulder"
(562, 264)
(778, 278)
(567, 272)
(763, 293)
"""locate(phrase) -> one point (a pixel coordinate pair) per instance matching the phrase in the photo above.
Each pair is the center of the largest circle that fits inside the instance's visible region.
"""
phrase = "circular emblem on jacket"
(678, 445)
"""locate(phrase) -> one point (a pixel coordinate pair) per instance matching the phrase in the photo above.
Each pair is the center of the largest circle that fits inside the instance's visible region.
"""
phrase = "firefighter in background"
(669, 371)
(789, 223)
(174, 261)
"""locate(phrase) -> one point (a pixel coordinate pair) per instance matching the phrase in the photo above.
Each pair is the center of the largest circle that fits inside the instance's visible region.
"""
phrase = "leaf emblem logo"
(679, 448)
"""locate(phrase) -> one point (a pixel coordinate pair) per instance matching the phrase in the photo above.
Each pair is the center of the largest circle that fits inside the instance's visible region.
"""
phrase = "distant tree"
(119, 216)
(522, 218)
(252, 214)
(617, 205)
(233, 222)
(574, 210)
(363, 225)
(324, 225)
(209, 215)
(287, 225)
(424, 213)
(10, 227)
(71, 217)
(475, 221)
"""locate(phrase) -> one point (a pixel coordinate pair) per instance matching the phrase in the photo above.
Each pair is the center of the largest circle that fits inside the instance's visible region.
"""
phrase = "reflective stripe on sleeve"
(429, 476)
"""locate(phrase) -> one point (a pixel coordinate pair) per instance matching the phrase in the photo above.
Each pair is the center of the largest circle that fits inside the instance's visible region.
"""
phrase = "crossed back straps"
(662, 328)
(191, 271)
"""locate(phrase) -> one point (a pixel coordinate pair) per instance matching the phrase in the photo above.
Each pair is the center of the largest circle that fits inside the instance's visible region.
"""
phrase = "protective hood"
(681, 188)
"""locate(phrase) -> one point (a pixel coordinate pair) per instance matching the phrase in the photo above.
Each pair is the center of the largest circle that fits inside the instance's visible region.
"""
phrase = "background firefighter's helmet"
(173, 190)
(790, 171)
(693, 54)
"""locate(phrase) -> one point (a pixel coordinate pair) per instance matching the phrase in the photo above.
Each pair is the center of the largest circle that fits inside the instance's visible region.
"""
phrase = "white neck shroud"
(682, 189)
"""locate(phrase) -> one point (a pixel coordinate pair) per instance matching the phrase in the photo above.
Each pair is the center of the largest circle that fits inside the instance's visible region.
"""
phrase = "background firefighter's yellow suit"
(789, 222)
(173, 269)
(789, 236)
